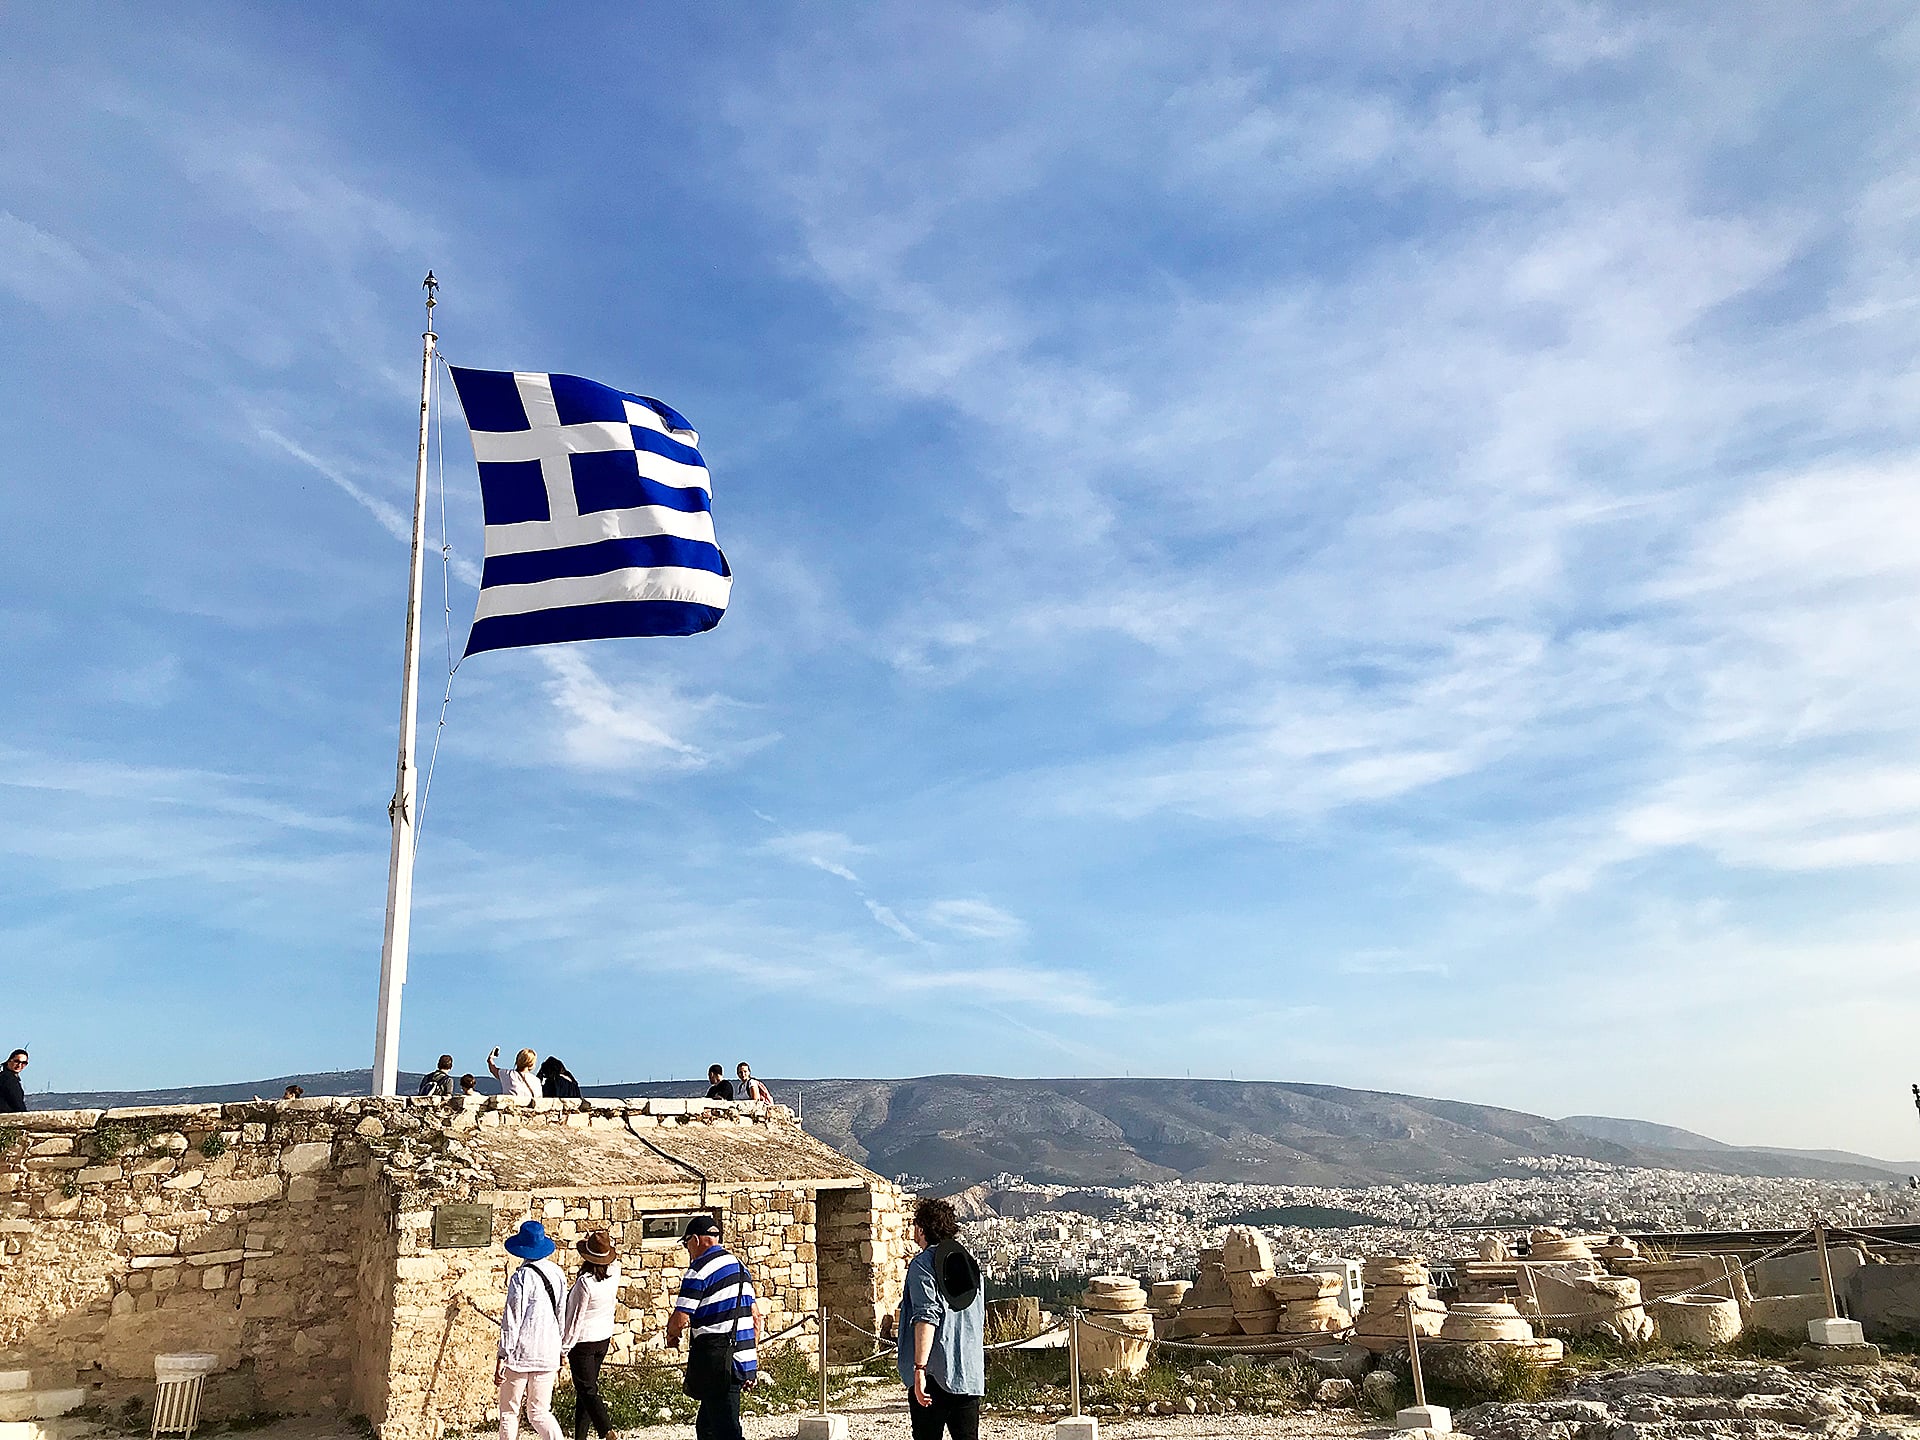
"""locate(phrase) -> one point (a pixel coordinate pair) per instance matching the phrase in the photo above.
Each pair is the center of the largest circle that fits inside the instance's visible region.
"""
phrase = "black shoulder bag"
(710, 1367)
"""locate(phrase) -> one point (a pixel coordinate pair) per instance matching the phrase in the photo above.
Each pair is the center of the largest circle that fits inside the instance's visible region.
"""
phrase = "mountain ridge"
(956, 1130)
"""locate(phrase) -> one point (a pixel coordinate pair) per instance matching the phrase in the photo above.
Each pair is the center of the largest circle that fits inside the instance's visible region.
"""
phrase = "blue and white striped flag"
(598, 510)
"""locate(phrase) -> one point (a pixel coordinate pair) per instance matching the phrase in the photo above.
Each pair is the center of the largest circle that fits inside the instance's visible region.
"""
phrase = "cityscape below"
(1028, 1234)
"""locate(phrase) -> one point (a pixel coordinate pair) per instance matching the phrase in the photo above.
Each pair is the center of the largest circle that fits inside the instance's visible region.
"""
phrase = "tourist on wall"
(716, 1306)
(13, 1094)
(439, 1080)
(556, 1081)
(588, 1330)
(529, 1356)
(718, 1086)
(748, 1088)
(469, 1085)
(940, 1339)
(294, 1092)
(518, 1082)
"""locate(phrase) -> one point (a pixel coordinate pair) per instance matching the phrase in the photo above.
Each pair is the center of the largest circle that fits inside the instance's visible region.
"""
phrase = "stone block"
(243, 1192)
(1830, 1356)
(306, 1159)
(1785, 1314)
(1825, 1331)
(98, 1174)
(1885, 1299)
(1435, 1419)
(1076, 1427)
(17, 1405)
(822, 1427)
(1798, 1273)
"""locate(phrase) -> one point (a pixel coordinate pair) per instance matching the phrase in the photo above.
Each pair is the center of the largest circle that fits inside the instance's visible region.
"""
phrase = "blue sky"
(1364, 544)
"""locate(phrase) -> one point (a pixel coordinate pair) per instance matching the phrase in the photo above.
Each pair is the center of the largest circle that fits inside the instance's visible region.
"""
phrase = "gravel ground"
(887, 1420)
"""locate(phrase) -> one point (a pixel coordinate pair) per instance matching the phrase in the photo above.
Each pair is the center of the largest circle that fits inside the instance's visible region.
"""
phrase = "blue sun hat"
(530, 1241)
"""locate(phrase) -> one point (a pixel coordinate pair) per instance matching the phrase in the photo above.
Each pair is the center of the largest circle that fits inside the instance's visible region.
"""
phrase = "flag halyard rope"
(446, 589)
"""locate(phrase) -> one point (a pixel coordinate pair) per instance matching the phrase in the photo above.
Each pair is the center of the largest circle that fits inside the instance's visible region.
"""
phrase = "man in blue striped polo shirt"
(715, 1310)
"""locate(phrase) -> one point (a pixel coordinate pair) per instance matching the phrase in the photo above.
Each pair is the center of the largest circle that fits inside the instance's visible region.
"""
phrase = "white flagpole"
(393, 947)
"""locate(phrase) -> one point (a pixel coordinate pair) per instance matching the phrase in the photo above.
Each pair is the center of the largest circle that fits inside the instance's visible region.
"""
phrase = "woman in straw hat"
(588, 1330)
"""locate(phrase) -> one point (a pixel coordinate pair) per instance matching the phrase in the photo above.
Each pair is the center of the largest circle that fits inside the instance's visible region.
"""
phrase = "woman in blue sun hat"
(529, 1359)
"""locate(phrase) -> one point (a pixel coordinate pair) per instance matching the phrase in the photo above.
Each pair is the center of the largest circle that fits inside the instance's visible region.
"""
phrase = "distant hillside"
(955, 1130)
(1640, 1132)
(1645, 1132)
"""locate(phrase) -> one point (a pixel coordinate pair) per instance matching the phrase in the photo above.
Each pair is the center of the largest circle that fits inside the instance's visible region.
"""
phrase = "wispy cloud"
(887, 920)
(823, 849)
(976, 919)
(625, 727)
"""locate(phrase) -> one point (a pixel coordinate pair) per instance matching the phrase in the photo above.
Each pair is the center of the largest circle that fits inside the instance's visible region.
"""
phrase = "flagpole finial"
(430, 285)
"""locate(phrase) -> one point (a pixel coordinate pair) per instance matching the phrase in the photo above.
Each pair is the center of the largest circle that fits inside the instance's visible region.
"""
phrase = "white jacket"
(530, 1320)
(590, 1308)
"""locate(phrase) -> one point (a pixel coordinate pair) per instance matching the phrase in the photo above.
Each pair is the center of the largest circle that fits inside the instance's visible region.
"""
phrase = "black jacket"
(13, 1096)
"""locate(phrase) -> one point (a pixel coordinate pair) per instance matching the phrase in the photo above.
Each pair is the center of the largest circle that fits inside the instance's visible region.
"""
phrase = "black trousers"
(719, 1417)
(585, 1360)
(957, 1415)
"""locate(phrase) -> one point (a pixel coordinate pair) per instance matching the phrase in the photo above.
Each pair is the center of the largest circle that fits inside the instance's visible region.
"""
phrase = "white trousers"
(537, 1390)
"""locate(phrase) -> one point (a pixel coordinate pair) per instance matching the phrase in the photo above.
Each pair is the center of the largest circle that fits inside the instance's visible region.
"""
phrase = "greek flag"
(598, 511)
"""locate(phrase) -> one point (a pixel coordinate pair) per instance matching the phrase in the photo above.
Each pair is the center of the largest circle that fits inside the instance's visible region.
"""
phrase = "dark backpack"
(956, 1273)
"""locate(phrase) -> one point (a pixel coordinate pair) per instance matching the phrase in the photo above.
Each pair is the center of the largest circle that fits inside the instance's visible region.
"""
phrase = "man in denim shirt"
(941, 1335)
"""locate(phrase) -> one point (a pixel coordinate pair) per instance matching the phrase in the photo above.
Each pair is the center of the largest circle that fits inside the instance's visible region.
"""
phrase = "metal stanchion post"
(1073, 1357)
(1075, 1426)
(1826, 1267)
(1843, 1338)
(1413, 1357)
(1420, 1415)
(822, 1316)
(823, 1426)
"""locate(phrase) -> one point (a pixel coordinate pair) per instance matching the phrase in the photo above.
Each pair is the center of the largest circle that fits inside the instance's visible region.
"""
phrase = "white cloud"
(823, 849)
(975, 919)
(629, 727)
(40, 267)
(890, 921)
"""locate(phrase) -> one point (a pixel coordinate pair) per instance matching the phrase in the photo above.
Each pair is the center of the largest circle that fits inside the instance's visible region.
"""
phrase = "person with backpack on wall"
(529, 1358)
(941, 1334)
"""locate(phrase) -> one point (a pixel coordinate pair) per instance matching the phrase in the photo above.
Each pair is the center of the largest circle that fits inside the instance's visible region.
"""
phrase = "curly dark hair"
(936, 1220)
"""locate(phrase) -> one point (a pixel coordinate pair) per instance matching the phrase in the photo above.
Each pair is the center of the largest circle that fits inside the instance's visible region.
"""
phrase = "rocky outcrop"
(1667, 1402)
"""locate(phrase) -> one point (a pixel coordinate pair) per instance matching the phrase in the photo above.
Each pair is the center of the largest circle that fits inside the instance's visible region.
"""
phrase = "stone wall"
(296, 1240)
(865, 1236)
(229, 1229)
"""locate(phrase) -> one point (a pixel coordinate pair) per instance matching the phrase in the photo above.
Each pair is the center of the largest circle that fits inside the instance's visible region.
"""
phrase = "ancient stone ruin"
(344, 1254)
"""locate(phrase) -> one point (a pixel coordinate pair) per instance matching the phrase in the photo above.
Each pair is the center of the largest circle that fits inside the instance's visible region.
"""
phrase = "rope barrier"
(1052, 1329)
(1291, 1344)
(842, 1320)
(1866, 1239)
(1303, 1342)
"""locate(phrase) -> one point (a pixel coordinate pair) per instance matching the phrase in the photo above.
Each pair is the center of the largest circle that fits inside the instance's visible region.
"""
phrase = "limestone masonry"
(298, 1240)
